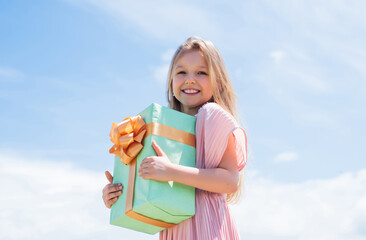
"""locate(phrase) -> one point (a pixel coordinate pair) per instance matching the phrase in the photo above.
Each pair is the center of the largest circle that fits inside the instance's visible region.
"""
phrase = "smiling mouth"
(190, 91)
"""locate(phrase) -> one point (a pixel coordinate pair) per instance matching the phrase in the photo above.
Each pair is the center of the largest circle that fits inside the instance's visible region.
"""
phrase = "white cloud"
(162, 19)
(7, 74)
(167, 56)
(311, 80)
(297, 73)
(324, 46)
(318, 209)
(161, 72)
(317, 118)
(286, 157)
(322, 14)
(277, 56)
(54, 200)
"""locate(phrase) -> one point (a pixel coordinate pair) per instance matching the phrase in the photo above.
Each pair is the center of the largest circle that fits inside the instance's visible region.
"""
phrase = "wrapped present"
(147, 205)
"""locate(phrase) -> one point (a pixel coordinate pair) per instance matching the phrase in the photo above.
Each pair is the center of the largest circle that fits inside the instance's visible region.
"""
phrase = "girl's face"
(191, 83)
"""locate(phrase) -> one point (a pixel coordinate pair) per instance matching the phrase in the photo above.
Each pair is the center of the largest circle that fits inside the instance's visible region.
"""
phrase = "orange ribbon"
(127, 137)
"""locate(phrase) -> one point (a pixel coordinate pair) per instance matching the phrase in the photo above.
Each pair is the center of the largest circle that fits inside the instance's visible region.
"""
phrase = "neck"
(190, 111)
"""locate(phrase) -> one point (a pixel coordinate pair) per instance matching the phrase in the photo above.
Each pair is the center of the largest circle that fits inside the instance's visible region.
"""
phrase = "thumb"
(157, 149)
(109, 176)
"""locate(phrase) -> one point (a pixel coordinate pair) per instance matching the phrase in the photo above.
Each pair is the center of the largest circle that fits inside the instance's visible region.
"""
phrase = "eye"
(181, 72)
(202, 73)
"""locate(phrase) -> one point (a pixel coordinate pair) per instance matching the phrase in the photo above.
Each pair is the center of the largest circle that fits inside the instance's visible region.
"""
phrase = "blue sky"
(68, 69)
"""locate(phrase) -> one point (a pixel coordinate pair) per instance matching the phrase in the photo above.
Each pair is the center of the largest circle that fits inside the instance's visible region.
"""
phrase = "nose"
(190, 79)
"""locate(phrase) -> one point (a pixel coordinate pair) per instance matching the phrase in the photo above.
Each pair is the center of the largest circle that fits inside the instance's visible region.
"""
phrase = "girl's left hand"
(156, 167)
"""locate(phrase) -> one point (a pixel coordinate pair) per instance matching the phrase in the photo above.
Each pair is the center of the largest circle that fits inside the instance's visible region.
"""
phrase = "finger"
(116, 187)
(143, 171)
(109, 176)
(106, 189)
(110, 202)
(114, 194)
(112, 188)
(148, 164)
(145, 175)
(157, 149)
(147, 161)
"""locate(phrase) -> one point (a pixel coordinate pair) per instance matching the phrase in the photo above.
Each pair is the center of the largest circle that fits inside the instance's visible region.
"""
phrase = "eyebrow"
(180, 66)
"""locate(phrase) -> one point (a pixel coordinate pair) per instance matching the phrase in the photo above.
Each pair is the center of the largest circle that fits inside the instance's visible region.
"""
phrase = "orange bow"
(127, 137)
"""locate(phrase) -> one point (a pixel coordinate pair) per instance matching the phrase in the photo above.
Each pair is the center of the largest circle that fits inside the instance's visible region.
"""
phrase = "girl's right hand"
(111, 191)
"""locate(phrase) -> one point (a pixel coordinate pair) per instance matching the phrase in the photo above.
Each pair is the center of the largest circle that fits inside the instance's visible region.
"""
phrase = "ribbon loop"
(127, 137)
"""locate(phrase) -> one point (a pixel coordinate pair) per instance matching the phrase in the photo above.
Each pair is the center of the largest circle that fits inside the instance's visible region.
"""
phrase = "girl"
(198, 84)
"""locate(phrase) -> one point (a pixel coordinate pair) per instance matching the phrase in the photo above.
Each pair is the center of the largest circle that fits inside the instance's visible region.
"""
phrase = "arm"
(223, 179)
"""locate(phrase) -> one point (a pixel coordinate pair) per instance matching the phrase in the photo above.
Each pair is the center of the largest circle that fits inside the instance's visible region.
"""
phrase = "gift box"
(147, 205)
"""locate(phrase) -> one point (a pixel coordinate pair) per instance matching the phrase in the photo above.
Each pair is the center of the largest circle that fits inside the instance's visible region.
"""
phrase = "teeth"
(190, 91)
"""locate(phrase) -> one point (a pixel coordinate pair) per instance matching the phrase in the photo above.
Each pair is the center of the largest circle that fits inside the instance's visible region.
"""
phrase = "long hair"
(222, 89)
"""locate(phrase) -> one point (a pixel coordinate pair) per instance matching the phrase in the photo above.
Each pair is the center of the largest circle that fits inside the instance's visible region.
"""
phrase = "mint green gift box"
(169, 202)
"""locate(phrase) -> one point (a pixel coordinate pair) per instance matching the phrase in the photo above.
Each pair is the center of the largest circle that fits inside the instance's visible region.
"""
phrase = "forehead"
(192, 56)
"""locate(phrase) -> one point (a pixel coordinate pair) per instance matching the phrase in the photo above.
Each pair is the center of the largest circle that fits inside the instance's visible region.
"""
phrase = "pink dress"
(213, 219)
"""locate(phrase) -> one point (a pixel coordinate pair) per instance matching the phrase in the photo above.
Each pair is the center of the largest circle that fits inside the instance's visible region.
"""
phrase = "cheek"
(177, 82)
(207, 87)
(175, 86)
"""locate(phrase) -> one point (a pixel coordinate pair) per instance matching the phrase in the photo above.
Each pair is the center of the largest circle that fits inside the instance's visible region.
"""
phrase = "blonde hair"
(222, 89)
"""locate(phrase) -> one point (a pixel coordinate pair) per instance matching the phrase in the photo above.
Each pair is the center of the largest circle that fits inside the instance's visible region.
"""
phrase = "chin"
(194, 105)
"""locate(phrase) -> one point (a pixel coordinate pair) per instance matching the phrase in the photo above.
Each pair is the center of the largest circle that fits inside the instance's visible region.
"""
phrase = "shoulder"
(213, 112)
(211, 106)
(214, 126)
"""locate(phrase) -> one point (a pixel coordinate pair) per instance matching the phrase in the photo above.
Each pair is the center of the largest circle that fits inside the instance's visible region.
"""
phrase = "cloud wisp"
(161, 72)
(168, 21)
(286, 157)
(8, 74)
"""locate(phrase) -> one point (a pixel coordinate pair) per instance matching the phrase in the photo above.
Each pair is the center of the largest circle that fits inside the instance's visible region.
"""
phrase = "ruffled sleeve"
(213, 128)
